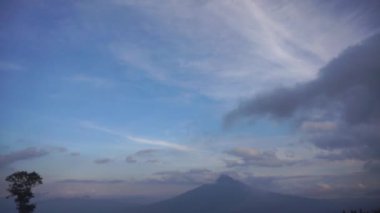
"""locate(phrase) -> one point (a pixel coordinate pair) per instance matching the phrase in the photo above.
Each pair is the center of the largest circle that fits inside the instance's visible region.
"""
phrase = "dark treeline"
(361, 211)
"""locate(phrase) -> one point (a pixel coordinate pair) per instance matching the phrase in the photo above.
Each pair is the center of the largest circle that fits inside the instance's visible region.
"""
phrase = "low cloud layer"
(103, 161)
(344, 101)
(25, 154)
(190, 177)
(320, 186)
(87, 181)
(254, 157)
(145, 155)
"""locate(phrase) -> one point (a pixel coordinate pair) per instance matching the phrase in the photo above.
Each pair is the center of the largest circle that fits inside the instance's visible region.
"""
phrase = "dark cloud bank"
(145, 155)
(103, 161)
(33, 153)
(346, 93)
(25, 154)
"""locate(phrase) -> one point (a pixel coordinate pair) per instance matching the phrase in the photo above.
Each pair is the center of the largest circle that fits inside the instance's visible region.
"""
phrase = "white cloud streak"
(135, 139)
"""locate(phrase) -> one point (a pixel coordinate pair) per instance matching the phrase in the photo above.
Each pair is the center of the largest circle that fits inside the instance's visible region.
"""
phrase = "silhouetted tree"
(20, 187)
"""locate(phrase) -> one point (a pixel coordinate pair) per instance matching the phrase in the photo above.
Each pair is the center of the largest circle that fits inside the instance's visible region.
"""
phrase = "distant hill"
(227, 195)
(73, 205)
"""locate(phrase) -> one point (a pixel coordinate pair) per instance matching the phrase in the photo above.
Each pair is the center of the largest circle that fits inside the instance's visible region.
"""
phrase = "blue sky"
(125, 98)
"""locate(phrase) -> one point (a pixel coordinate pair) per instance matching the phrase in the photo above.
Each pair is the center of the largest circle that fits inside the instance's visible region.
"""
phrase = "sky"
(126, 98)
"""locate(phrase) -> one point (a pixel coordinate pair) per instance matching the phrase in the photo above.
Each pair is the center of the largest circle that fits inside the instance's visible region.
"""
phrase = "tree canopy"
(20, 187)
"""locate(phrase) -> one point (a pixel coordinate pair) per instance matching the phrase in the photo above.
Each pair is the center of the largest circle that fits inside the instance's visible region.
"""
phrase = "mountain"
(227, 195)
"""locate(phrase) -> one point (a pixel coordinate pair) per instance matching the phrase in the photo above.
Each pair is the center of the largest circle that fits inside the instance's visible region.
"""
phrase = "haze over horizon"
(128, 98)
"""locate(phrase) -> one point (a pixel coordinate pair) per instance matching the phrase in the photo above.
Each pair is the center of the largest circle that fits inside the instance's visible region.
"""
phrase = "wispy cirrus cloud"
(91, 80)
(9, 66)
(135, 139)
(224, 49)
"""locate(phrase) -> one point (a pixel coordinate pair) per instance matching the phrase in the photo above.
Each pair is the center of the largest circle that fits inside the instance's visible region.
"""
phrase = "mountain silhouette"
(228, 195)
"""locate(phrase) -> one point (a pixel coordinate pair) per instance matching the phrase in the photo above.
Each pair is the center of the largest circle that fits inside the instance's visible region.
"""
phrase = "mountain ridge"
(227, 195)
